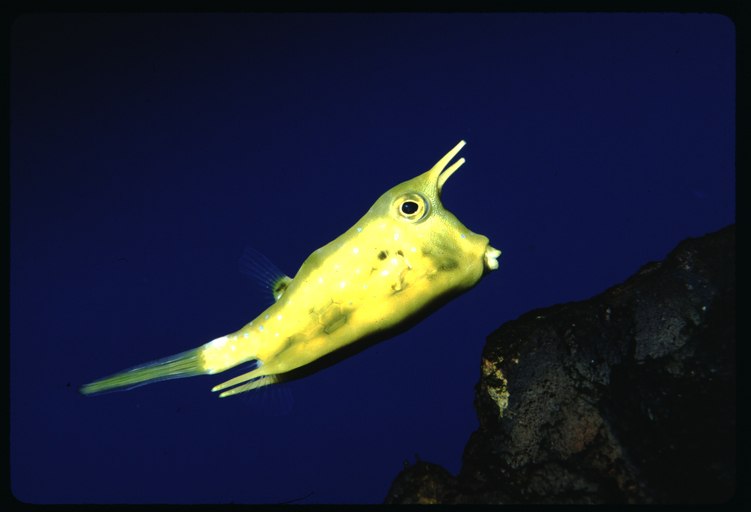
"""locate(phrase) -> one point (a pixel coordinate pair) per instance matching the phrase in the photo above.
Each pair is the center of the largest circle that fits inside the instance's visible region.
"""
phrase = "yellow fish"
(405, 259)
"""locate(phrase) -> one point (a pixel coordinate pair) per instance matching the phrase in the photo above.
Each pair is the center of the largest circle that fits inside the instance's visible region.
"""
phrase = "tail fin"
(184, 364)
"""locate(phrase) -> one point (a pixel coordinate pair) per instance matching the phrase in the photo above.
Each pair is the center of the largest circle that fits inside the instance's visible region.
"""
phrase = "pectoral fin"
(258, 268)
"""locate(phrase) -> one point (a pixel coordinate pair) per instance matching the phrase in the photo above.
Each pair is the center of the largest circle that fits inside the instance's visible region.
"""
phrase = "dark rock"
(628, 397)
(424, 483)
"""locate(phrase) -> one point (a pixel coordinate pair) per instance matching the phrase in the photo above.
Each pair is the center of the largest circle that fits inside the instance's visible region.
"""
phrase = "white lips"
(490, 258)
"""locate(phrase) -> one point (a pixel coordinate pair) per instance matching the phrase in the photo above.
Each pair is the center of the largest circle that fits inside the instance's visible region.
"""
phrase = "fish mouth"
(490, 258)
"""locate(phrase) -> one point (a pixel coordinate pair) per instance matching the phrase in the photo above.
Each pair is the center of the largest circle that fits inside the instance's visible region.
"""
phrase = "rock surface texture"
(628, 397)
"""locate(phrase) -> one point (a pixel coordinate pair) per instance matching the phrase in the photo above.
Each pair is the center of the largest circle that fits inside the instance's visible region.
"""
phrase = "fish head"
(406, 257)
(411, 220)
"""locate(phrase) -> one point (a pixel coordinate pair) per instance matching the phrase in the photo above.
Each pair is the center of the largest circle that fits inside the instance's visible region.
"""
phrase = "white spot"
(394, 261)
(464, 236)
(383, 225)
(357, 271)
(359, 229)
(355, 250)
(320, 279)
(260, 328)
(336, 266)
(342, 284)
(413, 249)
(267, 317)
(232, 347)
(385, 273)
(364, 287)
(219, 342)
(246, 334)
(277, 335)
(396, 236)
(234, 338)
(279, 317)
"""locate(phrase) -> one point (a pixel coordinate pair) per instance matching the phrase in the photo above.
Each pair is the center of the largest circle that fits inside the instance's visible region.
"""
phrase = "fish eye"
(411, 207)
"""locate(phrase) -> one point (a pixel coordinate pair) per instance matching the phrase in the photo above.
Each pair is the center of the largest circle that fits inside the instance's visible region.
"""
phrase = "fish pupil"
(409, 207)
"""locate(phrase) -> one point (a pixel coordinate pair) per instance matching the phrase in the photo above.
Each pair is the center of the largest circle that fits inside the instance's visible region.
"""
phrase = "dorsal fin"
(257, 267)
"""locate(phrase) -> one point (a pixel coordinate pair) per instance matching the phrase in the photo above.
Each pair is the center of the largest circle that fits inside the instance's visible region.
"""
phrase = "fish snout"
(490, 259)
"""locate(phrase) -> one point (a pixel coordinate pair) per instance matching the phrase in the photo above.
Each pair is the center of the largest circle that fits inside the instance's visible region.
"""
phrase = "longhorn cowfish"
(406, 258)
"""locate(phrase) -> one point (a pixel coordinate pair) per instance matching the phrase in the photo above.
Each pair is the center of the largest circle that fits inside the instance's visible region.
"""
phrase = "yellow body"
(403, 260)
